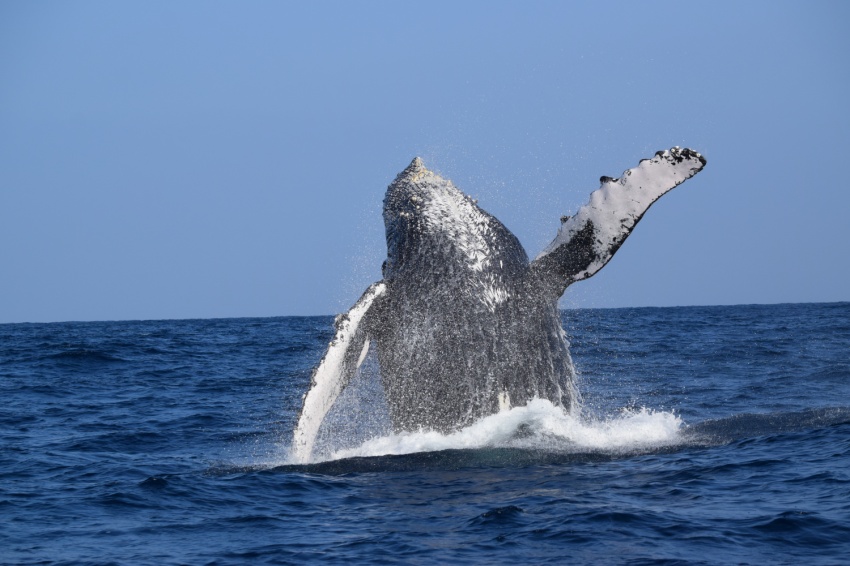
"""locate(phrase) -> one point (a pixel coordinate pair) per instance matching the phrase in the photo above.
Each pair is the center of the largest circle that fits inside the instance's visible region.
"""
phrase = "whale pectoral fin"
(344, 355)
(589, 239)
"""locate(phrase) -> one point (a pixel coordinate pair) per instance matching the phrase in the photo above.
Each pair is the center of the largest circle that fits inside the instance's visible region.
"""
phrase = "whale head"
(431, 223)
(438, 234)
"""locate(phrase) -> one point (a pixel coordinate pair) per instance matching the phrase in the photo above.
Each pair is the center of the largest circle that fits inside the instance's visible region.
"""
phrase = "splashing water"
(359, 426)
(538, 426)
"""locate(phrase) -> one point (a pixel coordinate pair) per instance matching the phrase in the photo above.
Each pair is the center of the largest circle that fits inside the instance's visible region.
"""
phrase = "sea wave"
(539, 426)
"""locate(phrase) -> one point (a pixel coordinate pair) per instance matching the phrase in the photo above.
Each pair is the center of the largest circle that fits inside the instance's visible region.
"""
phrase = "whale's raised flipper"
(345, 354)
(589, 239)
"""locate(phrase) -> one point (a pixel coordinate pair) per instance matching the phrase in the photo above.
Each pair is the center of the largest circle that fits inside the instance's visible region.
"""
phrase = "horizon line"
(212, 318)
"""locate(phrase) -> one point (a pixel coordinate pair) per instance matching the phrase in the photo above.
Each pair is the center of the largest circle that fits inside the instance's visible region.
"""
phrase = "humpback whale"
(463, 324)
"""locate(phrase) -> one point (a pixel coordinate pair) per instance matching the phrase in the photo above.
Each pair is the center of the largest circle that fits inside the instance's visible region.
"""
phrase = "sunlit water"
(707, 435)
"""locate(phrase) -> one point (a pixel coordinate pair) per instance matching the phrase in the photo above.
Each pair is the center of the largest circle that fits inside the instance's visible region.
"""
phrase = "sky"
(200, 159)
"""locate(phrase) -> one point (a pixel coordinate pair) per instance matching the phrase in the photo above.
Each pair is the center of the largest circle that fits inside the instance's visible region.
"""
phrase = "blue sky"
(219, 159)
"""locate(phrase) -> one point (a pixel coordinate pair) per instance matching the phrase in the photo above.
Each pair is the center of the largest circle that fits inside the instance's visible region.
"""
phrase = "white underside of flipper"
(618, 204)
(332, 375)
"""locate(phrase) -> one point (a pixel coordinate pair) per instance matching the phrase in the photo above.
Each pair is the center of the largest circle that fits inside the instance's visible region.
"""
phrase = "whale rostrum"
(463, 324)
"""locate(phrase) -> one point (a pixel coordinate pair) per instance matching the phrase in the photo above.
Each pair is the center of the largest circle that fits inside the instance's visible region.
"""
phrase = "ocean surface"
(707, 435)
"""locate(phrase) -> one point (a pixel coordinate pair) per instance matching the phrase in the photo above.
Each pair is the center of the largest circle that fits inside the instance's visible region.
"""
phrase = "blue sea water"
(708, 435)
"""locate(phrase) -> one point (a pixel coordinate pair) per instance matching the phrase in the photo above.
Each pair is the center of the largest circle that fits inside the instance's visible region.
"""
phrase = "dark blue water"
(709, 435)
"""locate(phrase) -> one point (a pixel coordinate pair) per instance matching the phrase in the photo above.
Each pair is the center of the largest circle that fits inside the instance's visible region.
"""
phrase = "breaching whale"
(463, 323)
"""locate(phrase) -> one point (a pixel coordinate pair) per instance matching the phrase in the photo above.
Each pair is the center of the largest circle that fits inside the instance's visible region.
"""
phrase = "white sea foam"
(539, 425)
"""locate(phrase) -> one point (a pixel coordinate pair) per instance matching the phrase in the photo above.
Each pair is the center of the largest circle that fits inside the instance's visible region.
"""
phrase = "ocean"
(707, 435)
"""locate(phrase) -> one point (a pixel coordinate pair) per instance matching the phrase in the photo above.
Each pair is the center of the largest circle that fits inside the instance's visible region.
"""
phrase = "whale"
(463, 324)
